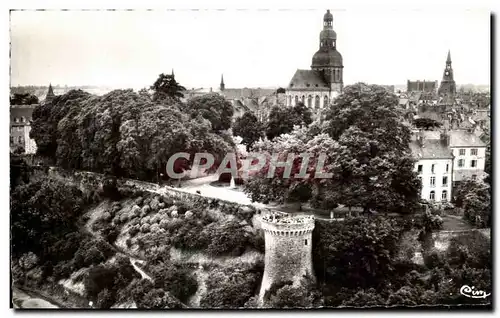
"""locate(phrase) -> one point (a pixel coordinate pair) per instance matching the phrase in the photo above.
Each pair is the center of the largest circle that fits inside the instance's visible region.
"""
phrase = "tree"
(167, 86)
(249, 128)
(122, 133)
(213, 107)
(374, 164)
(23, 99)
(282, 120)
(426, 123)
(280, 90)
(476, 202)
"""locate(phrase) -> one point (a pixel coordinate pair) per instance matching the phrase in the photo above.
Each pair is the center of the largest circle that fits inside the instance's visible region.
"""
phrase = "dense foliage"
(212, 107)
(23, 99)
(122, 133)
(282, 120)
(364, 144)
(365, 262)
(474, 197)
(426, 123)
(232, 287)
(249, 128)
(166, 86)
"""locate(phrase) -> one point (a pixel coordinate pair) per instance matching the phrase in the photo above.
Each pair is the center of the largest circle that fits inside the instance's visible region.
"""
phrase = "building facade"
(434, 167)
(469, 155)
(317, 87)
(20, 127)
(422, 86)
(445, 158)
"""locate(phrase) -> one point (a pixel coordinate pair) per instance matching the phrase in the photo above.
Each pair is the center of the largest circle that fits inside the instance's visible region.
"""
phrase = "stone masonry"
(288, 241)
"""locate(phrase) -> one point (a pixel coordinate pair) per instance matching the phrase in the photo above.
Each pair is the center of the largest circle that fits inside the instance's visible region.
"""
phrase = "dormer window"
(308, 85)
(316, 85)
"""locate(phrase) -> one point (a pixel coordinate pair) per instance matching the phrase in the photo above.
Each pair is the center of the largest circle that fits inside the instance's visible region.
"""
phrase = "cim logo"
(471, 292)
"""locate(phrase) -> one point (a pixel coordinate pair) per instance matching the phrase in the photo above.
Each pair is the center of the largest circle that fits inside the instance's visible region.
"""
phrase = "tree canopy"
(121, 133)
(23, 99)
(366, 149)
(167, 86)
(212, 107)
(249, 128)
(282, 120)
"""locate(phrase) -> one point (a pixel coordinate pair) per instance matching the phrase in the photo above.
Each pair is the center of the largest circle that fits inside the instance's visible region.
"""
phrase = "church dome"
(327, 34)
(327, 58)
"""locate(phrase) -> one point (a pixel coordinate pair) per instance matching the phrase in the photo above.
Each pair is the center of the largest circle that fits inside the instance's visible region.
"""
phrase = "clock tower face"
(447, 73)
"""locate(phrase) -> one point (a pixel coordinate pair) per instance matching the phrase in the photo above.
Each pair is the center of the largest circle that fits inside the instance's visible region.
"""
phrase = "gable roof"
(432, 149)
(307, 79)
(239, 93)
(463, 138)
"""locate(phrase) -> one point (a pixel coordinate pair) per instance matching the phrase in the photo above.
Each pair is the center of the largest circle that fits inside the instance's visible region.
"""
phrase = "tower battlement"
(288, 241)
(283, 224)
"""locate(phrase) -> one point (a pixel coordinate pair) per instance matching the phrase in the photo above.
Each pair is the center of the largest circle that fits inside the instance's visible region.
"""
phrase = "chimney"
(420, 138)
(445, 137)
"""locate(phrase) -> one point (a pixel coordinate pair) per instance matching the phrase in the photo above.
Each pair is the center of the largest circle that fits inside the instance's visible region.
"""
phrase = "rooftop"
(463, 138)
(307, 79)
(431, 149)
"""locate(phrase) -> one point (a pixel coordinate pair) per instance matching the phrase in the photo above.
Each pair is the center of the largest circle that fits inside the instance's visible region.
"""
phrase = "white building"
(469, 152)
(435, 168)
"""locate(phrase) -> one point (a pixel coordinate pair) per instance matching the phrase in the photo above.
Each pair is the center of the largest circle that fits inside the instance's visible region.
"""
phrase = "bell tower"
(327, 61)
(447, 86)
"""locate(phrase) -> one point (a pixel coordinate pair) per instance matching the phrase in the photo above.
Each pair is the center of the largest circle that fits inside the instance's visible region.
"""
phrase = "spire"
(50, 93)
(222, 85)
(448, 59)
(173, 75)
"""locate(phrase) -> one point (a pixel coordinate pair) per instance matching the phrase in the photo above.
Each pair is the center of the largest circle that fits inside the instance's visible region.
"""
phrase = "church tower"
(50, 94)
(327, 61)
(222, 85)
(447, 87)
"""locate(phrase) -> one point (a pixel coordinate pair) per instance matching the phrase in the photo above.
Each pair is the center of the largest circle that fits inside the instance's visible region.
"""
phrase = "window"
(473, 163)
(20, 139)
(325, 101)
(303, 99)
(461, 163)
(473, 152)
(316, 102)
(461, 152)
(474, 177)
(444, 195)
(432, 195)
(296, 99)
(420, 168)
(432, 168)
(23, 119)
(445, 181)
(447, 167)
(306, 242)
(11, 140)
(433, 181)
(309, 101)
(16, 119)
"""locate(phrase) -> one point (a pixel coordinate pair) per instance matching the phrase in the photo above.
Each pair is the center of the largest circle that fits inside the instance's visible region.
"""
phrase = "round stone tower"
(288, 255)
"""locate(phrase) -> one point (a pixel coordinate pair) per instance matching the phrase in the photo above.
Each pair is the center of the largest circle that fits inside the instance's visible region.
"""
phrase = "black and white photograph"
(232, 158)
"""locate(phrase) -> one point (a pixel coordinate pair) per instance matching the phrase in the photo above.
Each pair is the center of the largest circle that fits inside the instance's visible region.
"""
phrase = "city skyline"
(128, 49)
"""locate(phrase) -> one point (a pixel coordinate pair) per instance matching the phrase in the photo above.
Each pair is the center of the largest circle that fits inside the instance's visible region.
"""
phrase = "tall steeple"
(222, 85)
(327, 60)
(50, 93)
(447, 86)
(173, 75)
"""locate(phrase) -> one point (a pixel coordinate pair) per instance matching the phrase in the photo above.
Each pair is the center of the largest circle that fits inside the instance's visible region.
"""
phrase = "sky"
(252, 48)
